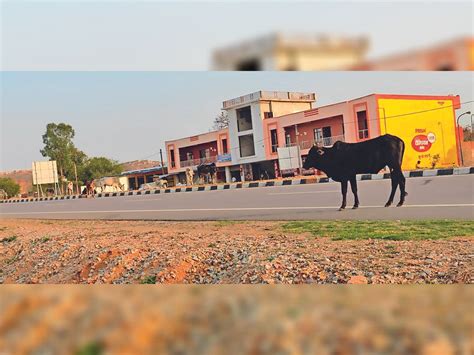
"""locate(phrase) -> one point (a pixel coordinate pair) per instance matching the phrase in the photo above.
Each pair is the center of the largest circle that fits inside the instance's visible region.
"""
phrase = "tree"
(9, 186)
(221, 121)
(98, 167)
(58, 146)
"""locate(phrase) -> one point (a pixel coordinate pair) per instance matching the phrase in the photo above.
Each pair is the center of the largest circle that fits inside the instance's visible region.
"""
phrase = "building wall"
(194, 143)
(346, 113)
(283, 108)
(305, 59)
(306, 130)
(454, 55)
(436, 116)
(260, 137)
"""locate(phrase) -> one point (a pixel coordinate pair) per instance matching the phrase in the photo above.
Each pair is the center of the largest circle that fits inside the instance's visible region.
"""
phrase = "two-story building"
(189, 152)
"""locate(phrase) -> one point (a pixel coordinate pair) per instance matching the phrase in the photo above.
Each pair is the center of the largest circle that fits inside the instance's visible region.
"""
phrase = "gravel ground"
(33, 251)
(236, 319)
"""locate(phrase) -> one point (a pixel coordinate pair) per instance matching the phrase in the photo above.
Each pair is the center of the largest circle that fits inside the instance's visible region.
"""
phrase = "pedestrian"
(69, 188)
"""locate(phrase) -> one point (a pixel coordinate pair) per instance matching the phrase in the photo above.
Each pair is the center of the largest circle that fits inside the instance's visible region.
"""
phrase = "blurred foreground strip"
(236, 319)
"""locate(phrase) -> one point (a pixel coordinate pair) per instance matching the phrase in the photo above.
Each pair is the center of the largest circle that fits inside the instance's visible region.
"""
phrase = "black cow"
(343, 161)
(206, 170)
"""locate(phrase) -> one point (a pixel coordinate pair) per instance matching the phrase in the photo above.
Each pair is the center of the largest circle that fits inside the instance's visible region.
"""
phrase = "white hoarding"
(289, 158)
(44, 172)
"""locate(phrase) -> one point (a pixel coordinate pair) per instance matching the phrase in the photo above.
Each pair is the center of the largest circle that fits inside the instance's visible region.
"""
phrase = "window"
(268, 114)
(246, 145)
(244, 119)
(362, 124)
(327, 132)
(446, 67)
(224, 146)
(274, 140)
(173, 164)
(318, 135)
(248, 65)
(288, 139)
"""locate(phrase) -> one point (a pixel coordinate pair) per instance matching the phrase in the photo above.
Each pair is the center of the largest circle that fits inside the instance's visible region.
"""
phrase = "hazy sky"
(180, 35)
(129, 115)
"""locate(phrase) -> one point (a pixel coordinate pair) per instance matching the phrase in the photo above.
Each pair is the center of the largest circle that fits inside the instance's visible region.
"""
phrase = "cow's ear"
(320, 151)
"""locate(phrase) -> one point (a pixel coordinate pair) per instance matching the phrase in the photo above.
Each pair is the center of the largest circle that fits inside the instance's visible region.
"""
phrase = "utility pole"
(458, 137)
(36, 176)
(162, 163)
(77, 183)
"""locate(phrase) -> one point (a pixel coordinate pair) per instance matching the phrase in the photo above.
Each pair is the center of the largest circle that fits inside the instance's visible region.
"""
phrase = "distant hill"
(22, 177)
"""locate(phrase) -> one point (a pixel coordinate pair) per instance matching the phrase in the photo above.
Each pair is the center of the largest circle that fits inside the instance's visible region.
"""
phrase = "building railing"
(270, 95)
(363, 133)
(325, 142)
(195, 162)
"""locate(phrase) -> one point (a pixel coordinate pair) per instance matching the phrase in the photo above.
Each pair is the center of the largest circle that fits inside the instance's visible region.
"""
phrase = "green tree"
(58, 145)
(9, 186)
(98, 167)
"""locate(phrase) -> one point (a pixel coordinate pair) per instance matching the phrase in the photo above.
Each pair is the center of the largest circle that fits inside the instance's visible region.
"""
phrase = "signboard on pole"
(44, 172)
(289, 158)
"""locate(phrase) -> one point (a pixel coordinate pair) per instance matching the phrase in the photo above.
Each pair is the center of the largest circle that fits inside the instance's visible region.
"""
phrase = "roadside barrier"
(253, 184)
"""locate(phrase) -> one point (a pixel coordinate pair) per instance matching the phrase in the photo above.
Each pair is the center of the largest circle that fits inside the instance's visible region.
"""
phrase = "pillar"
(228, 177)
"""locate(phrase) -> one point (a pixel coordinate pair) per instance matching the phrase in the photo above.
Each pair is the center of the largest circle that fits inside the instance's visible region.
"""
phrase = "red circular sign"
(421, 143)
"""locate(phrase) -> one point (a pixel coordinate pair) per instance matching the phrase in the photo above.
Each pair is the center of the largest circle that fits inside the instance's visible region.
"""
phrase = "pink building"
(189, 152)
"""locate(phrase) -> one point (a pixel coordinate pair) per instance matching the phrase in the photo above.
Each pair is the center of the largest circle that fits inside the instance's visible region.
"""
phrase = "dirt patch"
(208, 252)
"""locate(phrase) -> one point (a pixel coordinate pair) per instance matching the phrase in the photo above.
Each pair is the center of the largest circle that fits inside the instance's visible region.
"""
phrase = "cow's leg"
(395, 177)
(354, 191)
(402, 190)
(344, 194)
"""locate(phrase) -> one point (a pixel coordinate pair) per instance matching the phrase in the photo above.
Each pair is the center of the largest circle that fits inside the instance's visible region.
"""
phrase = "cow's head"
(315, 157)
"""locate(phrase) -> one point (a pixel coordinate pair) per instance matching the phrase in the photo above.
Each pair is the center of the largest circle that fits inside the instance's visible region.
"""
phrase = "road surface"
(428, 198)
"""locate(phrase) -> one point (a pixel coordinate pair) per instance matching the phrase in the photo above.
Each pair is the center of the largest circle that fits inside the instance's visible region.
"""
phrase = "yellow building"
(427, 125)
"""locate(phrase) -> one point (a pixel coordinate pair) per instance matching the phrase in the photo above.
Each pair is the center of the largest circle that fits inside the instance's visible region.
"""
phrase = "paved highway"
(428, 198)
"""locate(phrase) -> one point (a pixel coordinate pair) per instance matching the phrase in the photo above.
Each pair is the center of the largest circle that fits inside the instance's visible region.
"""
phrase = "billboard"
(289, 158)
(44, 172)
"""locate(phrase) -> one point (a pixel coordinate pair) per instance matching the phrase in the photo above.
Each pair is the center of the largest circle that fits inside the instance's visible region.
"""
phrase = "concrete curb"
(245, 185)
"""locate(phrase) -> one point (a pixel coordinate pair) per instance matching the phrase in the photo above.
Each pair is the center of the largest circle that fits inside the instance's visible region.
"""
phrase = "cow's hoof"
(341, 208)
(388, 204)
(400, 204)
(355, 207)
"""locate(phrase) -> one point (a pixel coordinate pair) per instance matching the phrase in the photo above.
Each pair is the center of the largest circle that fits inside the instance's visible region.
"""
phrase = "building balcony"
(325, 142)
(196, 162)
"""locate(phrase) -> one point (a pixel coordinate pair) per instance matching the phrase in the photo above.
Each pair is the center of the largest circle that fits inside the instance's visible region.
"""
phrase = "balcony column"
(228, 177)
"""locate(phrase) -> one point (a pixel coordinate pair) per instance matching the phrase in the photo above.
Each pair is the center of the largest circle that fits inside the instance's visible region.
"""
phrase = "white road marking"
(144, 199)
(235, 209)
(301, 192)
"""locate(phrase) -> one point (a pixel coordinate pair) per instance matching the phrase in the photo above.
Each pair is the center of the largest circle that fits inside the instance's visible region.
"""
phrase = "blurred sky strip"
(183, 35)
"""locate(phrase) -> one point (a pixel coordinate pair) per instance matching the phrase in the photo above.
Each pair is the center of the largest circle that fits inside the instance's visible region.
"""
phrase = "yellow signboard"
(427, 126)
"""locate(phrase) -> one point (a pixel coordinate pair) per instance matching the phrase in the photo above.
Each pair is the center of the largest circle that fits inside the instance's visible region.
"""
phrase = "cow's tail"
(402, 152)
